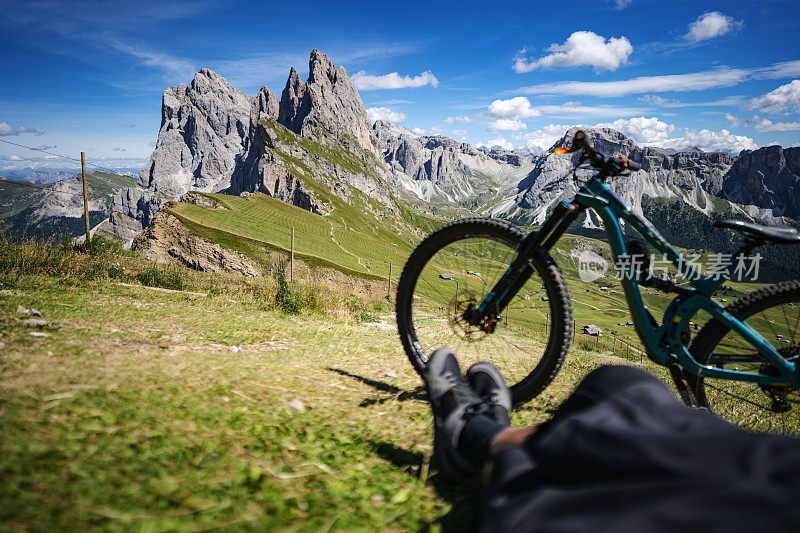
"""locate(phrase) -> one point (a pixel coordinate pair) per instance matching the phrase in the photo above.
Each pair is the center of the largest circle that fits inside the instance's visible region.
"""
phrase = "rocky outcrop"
(204, 127)
(167, 240)
(55, 210)
(767, 178)
(328, 100)
(437, 168)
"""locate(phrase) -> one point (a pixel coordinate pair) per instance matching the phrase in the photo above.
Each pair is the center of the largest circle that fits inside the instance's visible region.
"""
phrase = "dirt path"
(333, 238)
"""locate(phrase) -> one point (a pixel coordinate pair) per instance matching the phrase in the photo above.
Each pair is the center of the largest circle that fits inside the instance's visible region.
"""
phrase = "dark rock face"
(768, 178)
(293, 108)
(265, 106)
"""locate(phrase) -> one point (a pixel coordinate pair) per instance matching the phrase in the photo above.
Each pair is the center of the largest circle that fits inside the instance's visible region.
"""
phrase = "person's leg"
(598, 385)
(465, 423)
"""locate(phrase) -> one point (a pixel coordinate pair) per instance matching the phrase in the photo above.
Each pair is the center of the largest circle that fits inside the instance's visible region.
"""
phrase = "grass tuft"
(163, 278)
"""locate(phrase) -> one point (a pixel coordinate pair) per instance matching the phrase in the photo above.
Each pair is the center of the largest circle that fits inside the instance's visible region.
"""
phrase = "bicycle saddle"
(778, 234)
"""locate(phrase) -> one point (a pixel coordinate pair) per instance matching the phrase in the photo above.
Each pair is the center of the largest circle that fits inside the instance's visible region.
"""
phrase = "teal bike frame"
(663, 342)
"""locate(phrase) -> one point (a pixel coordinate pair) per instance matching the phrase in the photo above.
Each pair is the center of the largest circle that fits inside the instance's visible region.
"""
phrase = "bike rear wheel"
(458, 265)
(774, 312)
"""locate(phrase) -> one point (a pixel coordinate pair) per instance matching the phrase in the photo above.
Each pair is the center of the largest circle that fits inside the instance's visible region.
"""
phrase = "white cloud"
(696, 81)
(502, 143)
(786, 69)
(15, 157)
(654, 99)
(8, 130)
(366, 82)
(384, 113)
(436, 131)
(418, 131)
(505, 124)
(575, 109)
(642, 130)
(542, 139)
(785, 97)
(172, 66)
(118, 149)
(458, 119)
(710, 25)
(722, 140)
(582, 48)
(733, 122)
(514, 108)
(520, 108)
(459, 132)
(622, 4)
(764, 125)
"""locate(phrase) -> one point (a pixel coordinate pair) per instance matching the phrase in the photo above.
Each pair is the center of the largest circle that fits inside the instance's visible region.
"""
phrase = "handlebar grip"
(632, 166)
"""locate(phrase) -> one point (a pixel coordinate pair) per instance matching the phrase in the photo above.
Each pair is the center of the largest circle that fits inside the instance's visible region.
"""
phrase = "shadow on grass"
(463, 498)
(401, 395)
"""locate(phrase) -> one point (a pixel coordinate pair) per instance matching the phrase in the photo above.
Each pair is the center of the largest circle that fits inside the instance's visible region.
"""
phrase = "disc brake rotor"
(455, 317)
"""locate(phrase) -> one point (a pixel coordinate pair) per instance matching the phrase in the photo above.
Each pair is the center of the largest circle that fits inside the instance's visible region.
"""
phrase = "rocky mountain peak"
(604, 140)
(203, 127)
(266, 104)
(290, 114)
(768, 178)
(320, 66)
(327, 100)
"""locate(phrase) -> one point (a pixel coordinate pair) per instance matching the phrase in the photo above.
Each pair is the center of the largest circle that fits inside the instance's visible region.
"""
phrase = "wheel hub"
(460, 309)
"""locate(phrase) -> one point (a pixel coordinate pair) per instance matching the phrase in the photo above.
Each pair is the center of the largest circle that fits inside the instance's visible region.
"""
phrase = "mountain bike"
(492, 292)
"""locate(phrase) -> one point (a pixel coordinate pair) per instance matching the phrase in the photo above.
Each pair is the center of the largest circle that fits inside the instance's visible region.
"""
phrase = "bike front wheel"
(456, 266)
(774, 312)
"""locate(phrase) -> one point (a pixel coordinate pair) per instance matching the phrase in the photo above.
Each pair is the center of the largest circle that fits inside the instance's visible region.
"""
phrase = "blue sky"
(88, 76)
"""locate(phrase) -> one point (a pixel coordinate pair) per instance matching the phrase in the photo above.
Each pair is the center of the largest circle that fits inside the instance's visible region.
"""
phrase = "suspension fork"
(490, 309)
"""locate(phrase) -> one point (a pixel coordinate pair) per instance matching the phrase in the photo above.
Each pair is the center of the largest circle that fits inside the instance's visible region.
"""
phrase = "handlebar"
(612, 166)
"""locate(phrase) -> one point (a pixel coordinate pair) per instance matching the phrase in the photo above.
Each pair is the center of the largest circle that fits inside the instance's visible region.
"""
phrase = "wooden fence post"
(389, 284)
(85, 198)
(291, 259)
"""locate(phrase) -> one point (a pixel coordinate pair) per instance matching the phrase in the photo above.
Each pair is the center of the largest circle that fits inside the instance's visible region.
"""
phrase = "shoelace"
(463, 394)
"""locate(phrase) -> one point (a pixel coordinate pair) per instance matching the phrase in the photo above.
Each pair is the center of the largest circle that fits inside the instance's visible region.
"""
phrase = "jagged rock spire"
(328, 100)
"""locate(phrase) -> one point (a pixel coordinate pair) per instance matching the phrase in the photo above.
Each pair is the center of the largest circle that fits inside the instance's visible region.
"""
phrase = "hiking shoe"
(488, 383)
(453, 404)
